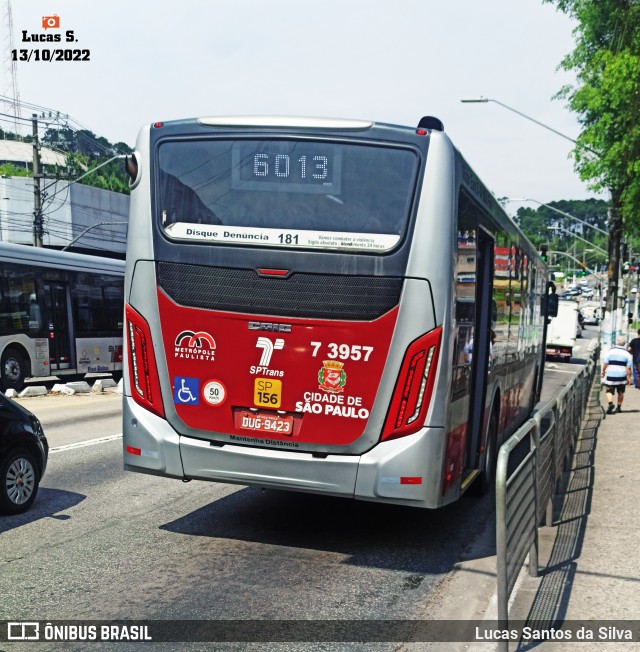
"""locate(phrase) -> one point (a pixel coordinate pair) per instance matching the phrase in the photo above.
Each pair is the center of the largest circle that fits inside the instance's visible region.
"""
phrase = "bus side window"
(18, 289)
(35, 314)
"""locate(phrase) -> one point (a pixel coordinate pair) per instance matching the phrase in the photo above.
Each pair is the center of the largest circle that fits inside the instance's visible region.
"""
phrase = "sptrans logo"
(191, 345)
(268, 347)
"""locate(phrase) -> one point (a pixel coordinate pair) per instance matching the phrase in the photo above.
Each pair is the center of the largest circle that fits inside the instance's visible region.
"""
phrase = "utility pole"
(37, 192)
(615, 238)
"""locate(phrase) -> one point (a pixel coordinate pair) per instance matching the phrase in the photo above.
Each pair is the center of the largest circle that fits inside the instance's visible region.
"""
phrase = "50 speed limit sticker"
(214, 392)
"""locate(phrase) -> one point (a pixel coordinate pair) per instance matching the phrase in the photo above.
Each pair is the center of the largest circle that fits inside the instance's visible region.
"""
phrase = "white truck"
(592, 312)
(562, 331)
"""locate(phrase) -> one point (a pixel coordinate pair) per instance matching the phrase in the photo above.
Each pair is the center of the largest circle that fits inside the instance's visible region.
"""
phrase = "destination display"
(308, 167)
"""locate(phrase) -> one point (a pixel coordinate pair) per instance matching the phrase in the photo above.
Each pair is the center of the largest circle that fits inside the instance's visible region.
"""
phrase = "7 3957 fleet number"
(343, 351)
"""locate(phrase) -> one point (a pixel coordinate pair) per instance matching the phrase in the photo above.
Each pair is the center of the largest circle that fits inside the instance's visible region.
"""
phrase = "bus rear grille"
(299, 295)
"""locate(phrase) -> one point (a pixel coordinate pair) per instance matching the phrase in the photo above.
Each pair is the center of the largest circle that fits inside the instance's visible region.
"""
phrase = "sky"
(389, 61)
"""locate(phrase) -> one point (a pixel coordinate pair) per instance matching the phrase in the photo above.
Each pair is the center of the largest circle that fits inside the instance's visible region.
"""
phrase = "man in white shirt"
(616, 373)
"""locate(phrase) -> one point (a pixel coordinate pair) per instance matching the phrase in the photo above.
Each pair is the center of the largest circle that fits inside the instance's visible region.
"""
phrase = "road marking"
(82, 444)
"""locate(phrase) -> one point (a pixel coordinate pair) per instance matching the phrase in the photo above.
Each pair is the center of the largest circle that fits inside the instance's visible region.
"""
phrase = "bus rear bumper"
(392, 472)
(332, 475)
(150, 444)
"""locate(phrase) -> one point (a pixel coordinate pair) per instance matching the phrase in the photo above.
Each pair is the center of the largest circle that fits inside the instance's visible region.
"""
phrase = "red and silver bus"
(320, 305)
(60, 314)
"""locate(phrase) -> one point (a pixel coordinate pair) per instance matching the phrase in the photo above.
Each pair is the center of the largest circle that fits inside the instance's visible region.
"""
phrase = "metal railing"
(530, 464)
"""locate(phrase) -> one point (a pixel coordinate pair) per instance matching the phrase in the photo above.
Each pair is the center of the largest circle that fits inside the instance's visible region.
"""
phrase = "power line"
(62, 120)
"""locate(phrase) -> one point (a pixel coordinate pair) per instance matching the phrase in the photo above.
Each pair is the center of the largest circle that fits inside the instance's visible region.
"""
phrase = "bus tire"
(13, 370)
(486, 479)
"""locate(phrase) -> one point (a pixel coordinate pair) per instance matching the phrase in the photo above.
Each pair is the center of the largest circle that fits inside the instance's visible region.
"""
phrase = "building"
(21, 154)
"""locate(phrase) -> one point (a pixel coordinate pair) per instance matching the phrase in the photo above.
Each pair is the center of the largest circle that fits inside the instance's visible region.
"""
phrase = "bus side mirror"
(131, 167)
(552, 305)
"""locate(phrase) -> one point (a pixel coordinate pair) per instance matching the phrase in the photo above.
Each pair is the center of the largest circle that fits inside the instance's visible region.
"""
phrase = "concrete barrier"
(34, 390)
(103, 383)
(79, 387)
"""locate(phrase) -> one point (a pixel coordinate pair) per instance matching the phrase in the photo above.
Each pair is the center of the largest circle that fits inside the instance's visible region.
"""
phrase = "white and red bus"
(331, 306)
(60, 314)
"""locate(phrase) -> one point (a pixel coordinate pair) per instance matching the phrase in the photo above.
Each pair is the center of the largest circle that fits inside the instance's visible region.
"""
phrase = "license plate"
(264, 422)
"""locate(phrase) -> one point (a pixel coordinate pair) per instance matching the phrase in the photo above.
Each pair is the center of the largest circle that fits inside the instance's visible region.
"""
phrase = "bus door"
(59, 319)
(481, 347)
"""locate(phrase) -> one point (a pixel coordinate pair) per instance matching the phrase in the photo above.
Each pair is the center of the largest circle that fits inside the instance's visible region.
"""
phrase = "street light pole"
(615, 221)
(482, 100)
(87, 173)
(573, 235)
(93, 226)
(573, 258)
(557, 210)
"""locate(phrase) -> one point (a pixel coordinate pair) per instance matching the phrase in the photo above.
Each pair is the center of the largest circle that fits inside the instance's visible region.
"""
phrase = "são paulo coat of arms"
(332, 377)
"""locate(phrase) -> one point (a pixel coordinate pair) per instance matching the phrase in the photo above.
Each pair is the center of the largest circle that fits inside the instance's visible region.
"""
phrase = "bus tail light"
(143, 372)
(414, 387)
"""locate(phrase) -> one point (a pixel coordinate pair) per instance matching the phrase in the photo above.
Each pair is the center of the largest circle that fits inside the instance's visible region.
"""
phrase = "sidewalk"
(589, 559)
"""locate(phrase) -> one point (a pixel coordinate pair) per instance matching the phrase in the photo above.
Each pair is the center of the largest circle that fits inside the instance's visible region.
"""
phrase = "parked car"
(23, 456)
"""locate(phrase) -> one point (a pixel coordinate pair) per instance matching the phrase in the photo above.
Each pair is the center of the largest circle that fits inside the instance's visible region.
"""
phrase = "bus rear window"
(285, 193)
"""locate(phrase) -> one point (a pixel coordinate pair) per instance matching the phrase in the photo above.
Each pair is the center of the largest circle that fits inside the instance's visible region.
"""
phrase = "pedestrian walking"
(634, 349)
(616, 373)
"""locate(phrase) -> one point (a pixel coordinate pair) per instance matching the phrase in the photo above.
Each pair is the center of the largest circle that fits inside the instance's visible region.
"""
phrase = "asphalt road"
(101, 543)
(78, 418)
(104, 544)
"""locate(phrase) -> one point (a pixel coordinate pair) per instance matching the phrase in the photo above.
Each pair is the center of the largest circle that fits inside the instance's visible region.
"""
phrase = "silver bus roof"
(284, 121)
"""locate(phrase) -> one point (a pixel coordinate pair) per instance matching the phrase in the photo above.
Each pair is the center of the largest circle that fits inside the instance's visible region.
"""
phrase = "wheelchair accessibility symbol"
(186, 391)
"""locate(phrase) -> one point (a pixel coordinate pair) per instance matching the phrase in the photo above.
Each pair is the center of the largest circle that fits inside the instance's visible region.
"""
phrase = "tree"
(84, 151)
(606, 98)
(537, 223)
(110, 177)
(11, 170)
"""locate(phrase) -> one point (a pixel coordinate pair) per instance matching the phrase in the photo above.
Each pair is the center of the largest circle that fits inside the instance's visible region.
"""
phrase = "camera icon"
(49, 22)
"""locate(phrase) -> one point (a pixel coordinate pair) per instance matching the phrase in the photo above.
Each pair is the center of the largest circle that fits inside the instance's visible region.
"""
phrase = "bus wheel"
(486, 480)
(13, 370)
